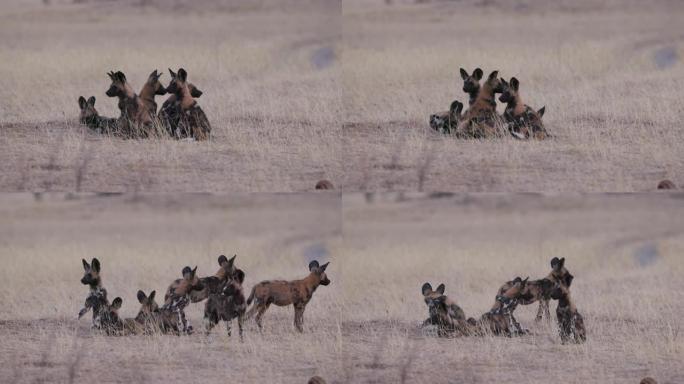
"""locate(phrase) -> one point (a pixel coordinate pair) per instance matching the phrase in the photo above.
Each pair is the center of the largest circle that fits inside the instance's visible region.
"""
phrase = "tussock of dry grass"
(625, 253)
(143, 243)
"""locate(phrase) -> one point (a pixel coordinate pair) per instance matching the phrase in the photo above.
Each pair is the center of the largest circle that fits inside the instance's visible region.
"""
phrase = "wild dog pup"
(523, 121)
(499, 320)
(570, 322)
(446, 122)
(135, 120)
(481, 120)
(97, 297)
(169, 115)
(227, 305)
(111, 322)
(91, 118)
(178, 297)
(210, 284)
(443, 312)
(540, 290)
(192, 121)
(283, 293)
(150, 89)
(471, 84)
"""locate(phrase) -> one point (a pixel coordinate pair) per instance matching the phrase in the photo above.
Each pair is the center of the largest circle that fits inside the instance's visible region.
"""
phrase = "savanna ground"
(269, 71)
(625, 252)
(143, 242)
(610, 74)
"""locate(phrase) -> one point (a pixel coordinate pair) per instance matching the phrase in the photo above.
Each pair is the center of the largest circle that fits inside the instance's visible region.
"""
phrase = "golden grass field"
(143, 242)
(609, 73)
(269, 71)
(625, 252)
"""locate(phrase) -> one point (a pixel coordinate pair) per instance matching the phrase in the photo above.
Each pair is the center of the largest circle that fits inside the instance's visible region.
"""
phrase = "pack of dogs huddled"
(450, 320)
(481, 120)
(179, 117)
(222, 292)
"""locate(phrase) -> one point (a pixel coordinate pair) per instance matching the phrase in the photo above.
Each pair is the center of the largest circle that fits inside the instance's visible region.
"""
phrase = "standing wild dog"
(210, 284)
(135, 120)
(443, 312)
(150, 89)
(447, 121)
(97, 297)
(91, 118)
(283, 293)
(178, 297)
(169, 115)
(227, 305)
(481, 120)
(523, 121)
(500, 320)
(540, 290)
(192, 121)
(570, 322)
(471, 84)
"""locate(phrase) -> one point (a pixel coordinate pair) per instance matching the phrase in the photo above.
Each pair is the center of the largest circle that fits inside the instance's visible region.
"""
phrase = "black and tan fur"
(666, 184)
(169, 115)
(481, 120)
(471, 84)
(178, 297)
(97, 296)
(111, 322)
(500, 320)
(282, 293)
(324, 184)
(91, 118)
(192, 121)
(540, 290)
(227, 305)
(447, 121)
(211, 284)
(570, 321)
(149, 318)
(150, 89)
(134, 121)
(522, 121)
(443, 312)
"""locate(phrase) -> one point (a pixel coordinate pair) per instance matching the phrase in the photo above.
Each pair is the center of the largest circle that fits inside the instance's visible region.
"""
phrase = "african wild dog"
(111, 323)
(523, 121)
(192, 121)
(500, 320)
(227, 305)
(666, 184)
(445, 122)
(471, 84)
(570, 322)
(169, 115)
(211, 284)
(97, 297)
(135, 120)
(283, 293)
(148, 320)
(540, 290)
(443, 312)
(178, 297)
(324, 184)
(481, 120)
(150, 89)
(91, 118)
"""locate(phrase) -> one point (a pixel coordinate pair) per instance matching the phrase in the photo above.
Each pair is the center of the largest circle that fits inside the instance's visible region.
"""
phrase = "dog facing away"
(227, 305)
(282, 293)
(447, 121)
(192, 120)
(178, 297)
(92, 119)
(443, 312)
(169, 114)
(523, 122)
(500, 320)
(210, 284)
(570, 321)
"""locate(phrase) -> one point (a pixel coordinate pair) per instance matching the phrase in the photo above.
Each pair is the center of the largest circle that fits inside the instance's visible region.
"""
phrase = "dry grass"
(143, 242)
(610, 74)
(625, 252)
(268, 70)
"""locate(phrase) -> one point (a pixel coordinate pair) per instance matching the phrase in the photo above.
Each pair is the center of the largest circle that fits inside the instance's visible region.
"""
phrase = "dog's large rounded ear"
(151, 296)
(323, 267)
(426, 289)
(562, 262)
(504, 82)
(111, 75)
(568, 280)
(514, 84)
(120, 76)
(222, 260)
(239, 276)
(116, 304)
(194, 92)
(182, 74)
(141, 297)
(493, 75)
(440, 289)
(173, 74)
(231, 261)
(186, 271)
(541, 111)
(82, 102)
(313, 264)
(85, 265)
(95, 264)
(194, 271)
(464, 74)
(554, 263)
(91, 101)
(477, 73)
